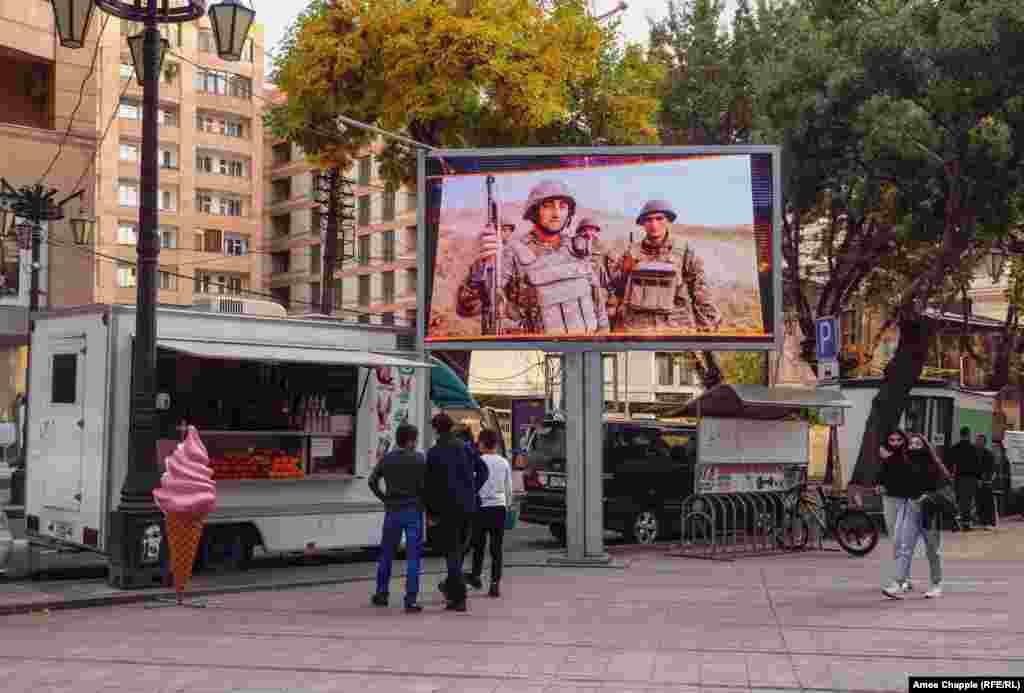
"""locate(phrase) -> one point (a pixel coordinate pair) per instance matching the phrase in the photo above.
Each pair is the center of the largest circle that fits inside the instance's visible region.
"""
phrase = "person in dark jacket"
(454, 478)
(963, 463)
(404, 473)
(985, 497)
(910, 481)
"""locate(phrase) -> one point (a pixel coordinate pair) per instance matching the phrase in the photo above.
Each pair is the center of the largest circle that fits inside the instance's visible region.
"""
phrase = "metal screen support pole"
(582, 383)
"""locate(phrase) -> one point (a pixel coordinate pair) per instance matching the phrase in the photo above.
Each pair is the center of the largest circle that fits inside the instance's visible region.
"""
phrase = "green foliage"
(742, 367)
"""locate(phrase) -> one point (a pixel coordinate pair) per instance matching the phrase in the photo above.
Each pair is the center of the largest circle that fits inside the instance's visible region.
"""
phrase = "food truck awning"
(447, 391)
(762, 402)
(287, 354)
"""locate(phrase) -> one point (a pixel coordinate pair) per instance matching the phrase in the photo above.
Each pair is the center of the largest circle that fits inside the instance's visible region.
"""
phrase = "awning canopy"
(287, 354)
(761, 402)
(447, 391)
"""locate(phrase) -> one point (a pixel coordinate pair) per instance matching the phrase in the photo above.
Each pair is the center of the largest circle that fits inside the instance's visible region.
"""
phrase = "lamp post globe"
(72, 18)
(231, 20)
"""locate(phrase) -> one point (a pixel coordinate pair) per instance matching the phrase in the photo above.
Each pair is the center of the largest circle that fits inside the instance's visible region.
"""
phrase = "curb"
(138, 597)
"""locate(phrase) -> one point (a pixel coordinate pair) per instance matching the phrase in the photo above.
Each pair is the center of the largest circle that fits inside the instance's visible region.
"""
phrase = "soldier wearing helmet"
(545, 288)
(660, 281)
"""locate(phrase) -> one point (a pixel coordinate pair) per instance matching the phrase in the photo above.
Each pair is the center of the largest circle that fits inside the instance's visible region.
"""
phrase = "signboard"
(526, 411)
(748, 441)
(603, 249)
(743, 478)
(826, 338)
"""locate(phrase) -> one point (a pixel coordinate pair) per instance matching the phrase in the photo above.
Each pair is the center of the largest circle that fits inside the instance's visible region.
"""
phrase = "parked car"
(648, 472)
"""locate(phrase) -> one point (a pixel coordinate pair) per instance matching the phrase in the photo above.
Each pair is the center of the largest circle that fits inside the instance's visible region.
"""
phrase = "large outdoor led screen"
(602, 249)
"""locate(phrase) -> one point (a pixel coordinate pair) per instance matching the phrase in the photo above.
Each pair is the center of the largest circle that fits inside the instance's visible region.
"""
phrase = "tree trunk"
(1005, 348)
(887, 407)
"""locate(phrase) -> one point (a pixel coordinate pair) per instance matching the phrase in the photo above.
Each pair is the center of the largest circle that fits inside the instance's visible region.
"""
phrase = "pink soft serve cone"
(187, 486)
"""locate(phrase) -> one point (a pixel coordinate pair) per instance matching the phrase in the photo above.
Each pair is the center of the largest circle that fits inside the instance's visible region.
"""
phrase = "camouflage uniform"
(666, 286)
(543, 287)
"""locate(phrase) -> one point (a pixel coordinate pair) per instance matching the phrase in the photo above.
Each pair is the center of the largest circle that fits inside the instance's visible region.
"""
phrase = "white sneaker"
(894, 590)
(934, 593)
(908, 586)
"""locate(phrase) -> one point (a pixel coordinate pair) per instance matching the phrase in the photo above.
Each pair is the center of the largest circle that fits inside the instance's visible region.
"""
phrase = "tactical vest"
(563, 288)
(651, 287)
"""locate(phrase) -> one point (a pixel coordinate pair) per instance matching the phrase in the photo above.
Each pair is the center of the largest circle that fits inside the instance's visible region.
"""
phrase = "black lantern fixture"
(996, 262)
(231, 21)
(136, 45)
(72, 18)
(82, 229)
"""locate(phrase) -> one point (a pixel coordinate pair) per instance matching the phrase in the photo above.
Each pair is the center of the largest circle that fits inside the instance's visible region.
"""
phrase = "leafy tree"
(481, 73)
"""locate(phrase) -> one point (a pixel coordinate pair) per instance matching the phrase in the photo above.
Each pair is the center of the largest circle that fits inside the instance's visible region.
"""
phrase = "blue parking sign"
(826, 338)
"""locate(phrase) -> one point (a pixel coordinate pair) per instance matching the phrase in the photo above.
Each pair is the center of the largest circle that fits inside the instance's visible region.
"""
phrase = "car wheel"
(645, 527)
(558, 532)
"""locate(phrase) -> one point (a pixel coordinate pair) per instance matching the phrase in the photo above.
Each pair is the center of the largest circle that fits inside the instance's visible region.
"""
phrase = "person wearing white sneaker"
(915, 480)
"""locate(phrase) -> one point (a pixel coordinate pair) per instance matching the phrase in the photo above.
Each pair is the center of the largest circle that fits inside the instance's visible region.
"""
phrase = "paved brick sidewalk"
(804, 622)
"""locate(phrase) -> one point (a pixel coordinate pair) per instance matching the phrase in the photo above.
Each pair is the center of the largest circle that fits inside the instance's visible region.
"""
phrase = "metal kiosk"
(753, 445)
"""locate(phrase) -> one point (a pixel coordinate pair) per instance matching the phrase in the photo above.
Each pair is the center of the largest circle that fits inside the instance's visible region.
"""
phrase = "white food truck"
(294, 413)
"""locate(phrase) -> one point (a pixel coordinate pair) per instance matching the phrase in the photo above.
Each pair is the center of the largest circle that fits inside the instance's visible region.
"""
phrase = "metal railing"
(722, 526)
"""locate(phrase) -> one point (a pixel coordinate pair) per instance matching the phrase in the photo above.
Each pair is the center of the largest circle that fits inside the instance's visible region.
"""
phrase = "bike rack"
(723, 526)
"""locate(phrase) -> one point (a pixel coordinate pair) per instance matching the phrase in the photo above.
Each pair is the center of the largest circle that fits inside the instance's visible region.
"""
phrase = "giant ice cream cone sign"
(187, 494)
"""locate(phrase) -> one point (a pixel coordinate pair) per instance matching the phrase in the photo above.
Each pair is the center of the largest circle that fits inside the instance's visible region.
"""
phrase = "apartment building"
(375, 281)
(40, 86)
(211, 159)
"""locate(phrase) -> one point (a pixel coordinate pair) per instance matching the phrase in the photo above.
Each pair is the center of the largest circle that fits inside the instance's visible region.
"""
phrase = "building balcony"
(242, 224)
(217, 181)
(226, 104)
(132, 129)
(216, 262)
(224, 143)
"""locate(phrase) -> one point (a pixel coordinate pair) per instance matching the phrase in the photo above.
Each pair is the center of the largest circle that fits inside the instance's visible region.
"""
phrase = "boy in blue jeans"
(404, 473)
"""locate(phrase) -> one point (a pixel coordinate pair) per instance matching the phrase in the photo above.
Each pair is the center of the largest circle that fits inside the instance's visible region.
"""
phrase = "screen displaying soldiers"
(658, 248)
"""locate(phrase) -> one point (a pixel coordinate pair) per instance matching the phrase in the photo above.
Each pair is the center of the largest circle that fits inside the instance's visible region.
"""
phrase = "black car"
(648, 472)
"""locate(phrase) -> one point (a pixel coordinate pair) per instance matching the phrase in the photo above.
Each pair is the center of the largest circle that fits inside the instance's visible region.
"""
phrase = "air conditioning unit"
(233, 305)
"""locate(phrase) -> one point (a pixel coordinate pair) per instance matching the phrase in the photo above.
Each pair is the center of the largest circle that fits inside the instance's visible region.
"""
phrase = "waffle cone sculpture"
(187, 494)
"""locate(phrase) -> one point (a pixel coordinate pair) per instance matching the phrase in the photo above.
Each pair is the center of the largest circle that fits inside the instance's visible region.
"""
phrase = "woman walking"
(912, 480)
(495, 497)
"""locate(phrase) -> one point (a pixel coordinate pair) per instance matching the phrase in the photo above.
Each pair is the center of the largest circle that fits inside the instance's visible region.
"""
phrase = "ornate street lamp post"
(130, 564)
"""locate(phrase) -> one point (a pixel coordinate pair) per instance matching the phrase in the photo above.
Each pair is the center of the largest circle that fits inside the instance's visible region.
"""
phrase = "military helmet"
(544, 191)
(656, 207)
(587, 221)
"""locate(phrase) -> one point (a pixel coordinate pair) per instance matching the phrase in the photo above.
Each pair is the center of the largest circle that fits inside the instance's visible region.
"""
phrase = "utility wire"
(78, 105)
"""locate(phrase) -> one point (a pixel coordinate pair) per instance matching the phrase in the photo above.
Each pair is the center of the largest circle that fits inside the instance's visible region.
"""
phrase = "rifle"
(489, 314)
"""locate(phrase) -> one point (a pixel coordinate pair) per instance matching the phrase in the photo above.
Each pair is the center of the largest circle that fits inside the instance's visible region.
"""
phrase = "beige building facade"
(376, 276)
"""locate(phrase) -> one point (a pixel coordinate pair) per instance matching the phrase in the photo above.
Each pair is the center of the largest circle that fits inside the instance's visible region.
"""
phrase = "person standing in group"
(963, 463)
(404, 473)
(454, 479)
(985, 498)
(495, 498)
(913, 482)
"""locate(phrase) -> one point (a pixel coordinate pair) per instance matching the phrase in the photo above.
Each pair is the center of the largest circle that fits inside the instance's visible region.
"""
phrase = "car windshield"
(548, 443)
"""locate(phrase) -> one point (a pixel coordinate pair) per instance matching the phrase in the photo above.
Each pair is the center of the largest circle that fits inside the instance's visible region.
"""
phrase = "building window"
(365, 170)
(168, 237)
(665, 364)
(168, 281)
(387, 285)
(280, 263)
(204, 163)
(206, 44)
(204, 203)
(128, 194)
(314, 259)
(235, 244)
(168, 159)
(127, 234)
(363, 250)
(410, 240)
(212, 239)
(129, 152)
(125, 277)
(389, 246)
(223, 84)
(127, 71)
(389, 203)
(387, 319)
(233, 128)
(129, 110)
(235, 169)
(167, 117)
(282, 152)
(168, 201)
(282, 225)
(364, 210)
(364, 290)
(411, 280)
(281, 189)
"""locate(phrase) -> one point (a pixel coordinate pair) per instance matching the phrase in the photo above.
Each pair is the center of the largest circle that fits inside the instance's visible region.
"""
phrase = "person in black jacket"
(963, 463)
(911, 481)
(984, 497)
(454, 478)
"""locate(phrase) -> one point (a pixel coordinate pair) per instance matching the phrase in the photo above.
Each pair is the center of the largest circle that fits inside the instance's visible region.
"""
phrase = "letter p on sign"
(827, 338)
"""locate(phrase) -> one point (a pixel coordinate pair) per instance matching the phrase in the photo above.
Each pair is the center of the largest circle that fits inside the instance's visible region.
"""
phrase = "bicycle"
(852, 528)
